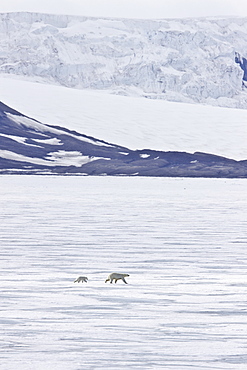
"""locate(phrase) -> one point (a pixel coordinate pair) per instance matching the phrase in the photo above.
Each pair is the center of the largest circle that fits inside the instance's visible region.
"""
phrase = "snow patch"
(53, 141)
(65, 158)
(144, 155)
(60, 158)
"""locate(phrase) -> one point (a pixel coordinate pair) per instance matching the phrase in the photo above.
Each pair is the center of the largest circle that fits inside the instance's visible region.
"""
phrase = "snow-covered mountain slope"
(28, 146)
(186, 60)
(135, 123)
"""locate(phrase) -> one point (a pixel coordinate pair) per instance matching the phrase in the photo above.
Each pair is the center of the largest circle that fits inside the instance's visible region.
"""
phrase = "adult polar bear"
(116, 276)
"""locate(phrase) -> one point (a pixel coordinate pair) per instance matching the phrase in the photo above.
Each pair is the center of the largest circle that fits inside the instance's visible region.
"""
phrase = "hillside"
(30, 147)
(132, 122)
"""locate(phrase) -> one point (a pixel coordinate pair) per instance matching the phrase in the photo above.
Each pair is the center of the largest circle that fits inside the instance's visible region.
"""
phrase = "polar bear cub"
(82, 279)
(116, 276)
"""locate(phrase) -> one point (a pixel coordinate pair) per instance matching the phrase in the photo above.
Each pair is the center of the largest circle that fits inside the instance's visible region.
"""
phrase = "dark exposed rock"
(243, 64)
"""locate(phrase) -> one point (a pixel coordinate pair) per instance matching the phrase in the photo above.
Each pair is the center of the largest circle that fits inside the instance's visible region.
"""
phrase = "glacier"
(183, 60)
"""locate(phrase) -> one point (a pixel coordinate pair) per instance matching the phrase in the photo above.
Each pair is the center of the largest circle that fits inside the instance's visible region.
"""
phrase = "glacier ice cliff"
(187, 60)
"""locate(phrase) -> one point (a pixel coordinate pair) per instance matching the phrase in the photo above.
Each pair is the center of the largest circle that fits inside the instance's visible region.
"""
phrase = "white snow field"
(183, 243)
(134, 122)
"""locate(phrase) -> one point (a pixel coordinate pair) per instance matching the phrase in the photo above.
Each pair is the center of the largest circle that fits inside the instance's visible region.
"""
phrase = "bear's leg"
(124, 280)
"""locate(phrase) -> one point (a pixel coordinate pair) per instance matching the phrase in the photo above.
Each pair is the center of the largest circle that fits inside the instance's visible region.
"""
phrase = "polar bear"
(82, 279)
(116, 276)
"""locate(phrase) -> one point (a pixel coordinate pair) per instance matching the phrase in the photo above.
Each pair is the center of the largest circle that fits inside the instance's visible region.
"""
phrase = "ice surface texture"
(183, 242)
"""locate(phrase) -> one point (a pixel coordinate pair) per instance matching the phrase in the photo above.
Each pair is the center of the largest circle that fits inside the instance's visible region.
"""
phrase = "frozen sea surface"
(183, 243)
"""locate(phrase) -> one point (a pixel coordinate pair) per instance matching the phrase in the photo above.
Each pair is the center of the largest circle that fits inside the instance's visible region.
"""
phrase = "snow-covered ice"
(133, 122)
(183, 243)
